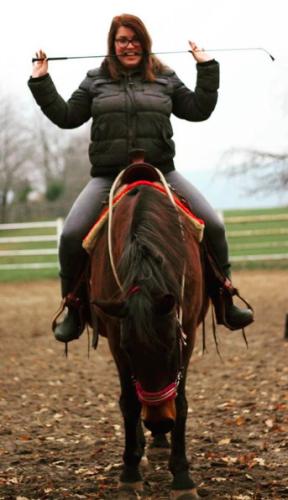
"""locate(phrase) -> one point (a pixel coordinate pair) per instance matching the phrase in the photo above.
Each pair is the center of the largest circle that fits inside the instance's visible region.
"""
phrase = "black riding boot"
(227, 313)
(221, 292)
(74, 322)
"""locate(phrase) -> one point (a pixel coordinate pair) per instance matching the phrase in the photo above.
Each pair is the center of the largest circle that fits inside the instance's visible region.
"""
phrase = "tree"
(61, 160)
(265, 171)
(50, 144)
(76, 165)
(15, 150)
(54, 190)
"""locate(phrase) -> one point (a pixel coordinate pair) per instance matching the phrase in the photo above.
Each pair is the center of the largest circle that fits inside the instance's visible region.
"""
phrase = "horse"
(147, 296)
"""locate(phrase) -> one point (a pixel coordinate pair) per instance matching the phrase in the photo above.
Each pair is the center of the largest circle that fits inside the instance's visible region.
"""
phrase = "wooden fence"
(258, 237)
(34, 245)
(38, 241)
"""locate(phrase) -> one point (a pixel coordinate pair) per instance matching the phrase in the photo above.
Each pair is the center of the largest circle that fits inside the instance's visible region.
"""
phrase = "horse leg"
(134, 437)
(159, 448)
(160, 442)
(183, 485)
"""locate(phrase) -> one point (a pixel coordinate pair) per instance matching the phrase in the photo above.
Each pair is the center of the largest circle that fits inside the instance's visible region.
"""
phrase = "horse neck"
(153, 250)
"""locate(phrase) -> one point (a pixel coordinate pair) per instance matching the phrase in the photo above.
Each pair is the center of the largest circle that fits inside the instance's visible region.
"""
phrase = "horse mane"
(153, 257)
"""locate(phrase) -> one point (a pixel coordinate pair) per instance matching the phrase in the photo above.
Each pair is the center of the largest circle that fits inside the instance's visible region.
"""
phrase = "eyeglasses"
(123, 41)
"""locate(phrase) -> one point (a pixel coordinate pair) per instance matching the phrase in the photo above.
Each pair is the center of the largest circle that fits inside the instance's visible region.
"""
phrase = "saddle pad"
(197, 224)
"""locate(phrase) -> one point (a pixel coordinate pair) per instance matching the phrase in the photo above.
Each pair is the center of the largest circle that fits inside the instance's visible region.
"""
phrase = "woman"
(130, 99)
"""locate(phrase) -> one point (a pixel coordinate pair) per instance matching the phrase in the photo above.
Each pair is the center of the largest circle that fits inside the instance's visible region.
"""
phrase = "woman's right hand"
(40, 68)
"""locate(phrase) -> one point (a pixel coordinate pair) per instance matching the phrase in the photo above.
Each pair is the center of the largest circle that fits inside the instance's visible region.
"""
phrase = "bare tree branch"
(264, 171)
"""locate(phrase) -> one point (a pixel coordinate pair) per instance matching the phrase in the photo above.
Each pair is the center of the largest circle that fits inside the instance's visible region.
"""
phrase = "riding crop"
(35, 59)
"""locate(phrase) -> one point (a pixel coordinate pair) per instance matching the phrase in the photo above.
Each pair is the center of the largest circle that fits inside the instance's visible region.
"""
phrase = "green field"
(257, 239)
(28, 247)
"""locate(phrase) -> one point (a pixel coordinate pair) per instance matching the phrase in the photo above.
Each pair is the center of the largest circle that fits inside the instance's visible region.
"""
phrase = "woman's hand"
(40, 68)
(199, 54)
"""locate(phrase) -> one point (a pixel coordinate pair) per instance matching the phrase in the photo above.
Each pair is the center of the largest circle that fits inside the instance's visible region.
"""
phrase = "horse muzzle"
(158, 408)
(159, 419)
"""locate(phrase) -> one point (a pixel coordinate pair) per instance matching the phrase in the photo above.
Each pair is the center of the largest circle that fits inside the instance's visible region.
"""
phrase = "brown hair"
(150, 64)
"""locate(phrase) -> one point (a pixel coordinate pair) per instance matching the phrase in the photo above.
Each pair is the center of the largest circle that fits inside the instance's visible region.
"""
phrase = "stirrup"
(73, 302)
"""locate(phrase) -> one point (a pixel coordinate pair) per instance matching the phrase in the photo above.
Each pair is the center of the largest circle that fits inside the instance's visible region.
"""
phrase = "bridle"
(168, 393)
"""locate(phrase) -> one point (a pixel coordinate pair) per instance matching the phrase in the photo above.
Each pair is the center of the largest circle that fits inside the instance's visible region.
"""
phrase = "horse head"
(151, 340)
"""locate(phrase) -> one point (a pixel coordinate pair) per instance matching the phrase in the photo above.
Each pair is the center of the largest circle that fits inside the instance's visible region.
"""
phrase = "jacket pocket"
(156, 88)
(104, 88)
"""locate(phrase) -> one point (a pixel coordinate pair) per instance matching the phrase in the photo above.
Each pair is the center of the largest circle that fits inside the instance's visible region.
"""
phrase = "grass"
(270, 238)
(256, 211)
(28, 275)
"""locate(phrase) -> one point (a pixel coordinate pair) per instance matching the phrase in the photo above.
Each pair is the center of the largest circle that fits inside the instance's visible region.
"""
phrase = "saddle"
(142, 174)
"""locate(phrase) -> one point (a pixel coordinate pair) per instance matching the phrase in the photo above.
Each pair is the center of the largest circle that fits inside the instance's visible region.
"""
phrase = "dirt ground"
(61, 434)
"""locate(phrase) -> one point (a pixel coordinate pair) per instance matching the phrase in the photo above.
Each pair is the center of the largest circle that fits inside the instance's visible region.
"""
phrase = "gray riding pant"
(87, 207)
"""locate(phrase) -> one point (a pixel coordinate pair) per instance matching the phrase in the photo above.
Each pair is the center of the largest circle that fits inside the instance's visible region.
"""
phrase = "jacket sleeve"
(70, 114)
(197, 105)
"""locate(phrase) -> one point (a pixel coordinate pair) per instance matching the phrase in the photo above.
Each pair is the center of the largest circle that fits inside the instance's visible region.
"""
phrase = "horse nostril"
(161, 426)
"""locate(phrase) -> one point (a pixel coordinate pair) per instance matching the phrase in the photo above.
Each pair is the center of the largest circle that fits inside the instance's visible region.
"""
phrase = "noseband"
(156, 398)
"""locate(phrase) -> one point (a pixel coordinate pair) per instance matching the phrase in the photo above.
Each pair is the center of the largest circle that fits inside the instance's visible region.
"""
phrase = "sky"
(253, 98)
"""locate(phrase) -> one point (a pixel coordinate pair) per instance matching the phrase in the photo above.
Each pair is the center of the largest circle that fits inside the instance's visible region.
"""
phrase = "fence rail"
(10, 255)
(251, 238)
(257, 237)
(235, 219)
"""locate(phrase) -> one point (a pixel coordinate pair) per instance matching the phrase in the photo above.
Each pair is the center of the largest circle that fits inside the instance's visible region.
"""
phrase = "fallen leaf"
(224, 441)
(240, 420)
(249, 477)
(269, 422)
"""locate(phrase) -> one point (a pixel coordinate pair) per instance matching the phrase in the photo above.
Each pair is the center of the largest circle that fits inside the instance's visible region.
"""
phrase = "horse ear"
(116, 309)
(165, 304)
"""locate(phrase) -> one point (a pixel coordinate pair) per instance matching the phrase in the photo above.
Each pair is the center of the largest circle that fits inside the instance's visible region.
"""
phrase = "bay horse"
(149, 316)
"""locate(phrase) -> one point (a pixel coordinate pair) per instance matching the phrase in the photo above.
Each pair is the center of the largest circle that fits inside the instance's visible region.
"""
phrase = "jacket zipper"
(131, 112)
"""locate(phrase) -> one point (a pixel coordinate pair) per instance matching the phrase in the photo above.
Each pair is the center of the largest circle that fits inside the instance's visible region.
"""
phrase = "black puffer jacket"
(130, 113)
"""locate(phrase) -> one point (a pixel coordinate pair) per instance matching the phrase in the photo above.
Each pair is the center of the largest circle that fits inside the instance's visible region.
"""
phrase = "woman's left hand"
(199, 54)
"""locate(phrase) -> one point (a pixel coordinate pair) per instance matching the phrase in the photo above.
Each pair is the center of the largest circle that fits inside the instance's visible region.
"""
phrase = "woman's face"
(128, 48)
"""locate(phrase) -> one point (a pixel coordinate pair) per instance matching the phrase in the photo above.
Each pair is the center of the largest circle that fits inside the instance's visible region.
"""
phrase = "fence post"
(59, 227)
(286, 328)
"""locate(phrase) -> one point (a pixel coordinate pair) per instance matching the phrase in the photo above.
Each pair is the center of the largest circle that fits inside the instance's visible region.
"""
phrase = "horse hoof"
(184, 494)
(145, 462)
